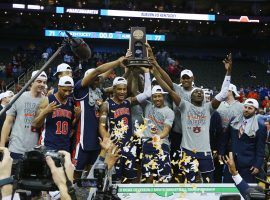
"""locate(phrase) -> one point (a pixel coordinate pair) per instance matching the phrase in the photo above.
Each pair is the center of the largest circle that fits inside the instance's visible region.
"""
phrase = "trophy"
(137, 47)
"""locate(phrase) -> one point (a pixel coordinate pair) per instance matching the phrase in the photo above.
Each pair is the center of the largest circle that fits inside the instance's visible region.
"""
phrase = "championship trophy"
(137, 47)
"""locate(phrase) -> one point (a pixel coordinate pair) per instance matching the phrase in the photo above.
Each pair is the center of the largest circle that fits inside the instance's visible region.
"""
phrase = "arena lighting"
(101, 35)
(244, 19)
(157, 15)
(20, 6)
(35, 7)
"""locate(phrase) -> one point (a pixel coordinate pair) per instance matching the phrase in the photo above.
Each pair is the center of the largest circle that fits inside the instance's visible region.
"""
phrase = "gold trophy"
(137, 47)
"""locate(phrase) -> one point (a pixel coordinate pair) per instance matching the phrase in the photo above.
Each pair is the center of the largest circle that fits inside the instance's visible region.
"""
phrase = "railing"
(21, 77)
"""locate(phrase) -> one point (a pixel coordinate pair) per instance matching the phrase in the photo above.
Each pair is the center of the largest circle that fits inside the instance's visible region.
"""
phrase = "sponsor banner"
(101, 35)
(175, 191)
(158, 15)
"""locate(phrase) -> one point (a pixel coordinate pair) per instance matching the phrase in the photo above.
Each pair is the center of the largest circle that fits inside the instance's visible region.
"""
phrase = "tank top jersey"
(58, 125)
(119, 118)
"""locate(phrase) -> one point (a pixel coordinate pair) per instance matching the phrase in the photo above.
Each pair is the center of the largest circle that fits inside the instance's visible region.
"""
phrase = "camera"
(32, 172)
(105, 191)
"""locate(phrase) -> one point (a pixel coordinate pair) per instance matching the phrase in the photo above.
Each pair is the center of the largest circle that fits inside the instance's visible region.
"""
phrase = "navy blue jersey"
(119, 121)
(87, 131)
(58, 125)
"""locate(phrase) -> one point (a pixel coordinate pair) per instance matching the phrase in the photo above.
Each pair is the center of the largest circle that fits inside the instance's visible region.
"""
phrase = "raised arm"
(175, 97)
(88, 79)
(103, 120)
(222, 95)
(153, 61)
(227, 63)
(147, 89)
(6, 129)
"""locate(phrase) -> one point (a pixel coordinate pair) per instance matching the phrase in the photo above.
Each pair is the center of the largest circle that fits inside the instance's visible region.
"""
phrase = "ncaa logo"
(196, 129)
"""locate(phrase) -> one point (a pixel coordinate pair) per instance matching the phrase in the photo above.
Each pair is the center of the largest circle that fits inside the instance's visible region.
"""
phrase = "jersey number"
(62, 128)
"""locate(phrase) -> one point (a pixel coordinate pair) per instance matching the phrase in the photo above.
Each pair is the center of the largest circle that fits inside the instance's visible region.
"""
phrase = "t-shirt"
(184, 94)
(22, 139)
(157, 118)
(228, 111)
(195, 126)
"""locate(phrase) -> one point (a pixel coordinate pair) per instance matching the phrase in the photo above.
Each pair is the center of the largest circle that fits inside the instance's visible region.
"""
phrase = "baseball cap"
(186, 72)
(66, 81)
(42, 76)
(119, 80)
(158, 90)
(88, 72)
(153, 79)
(251, 102)
(7, 93)
(62, 68)
(233, 88)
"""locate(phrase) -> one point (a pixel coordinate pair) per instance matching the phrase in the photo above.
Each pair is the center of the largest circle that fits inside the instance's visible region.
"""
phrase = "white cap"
(158, 90)
(66, 81)
(119, 80)
(153, 79)
(63, 68)
(7, 93)
(233, 88)
(88, 72)
(206, 92)
(251, 102)
(42, 76)
(186, 72)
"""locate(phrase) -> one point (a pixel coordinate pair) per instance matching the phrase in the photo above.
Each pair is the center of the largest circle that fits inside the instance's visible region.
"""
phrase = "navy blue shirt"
(58, 125)
(116, 114)
(87, 131)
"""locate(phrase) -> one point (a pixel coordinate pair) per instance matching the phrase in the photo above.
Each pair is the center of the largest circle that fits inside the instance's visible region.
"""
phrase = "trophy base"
(138, 63)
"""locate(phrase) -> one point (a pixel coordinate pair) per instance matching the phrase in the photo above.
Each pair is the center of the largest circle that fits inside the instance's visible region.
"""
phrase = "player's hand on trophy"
(128, 53)
(149, 50)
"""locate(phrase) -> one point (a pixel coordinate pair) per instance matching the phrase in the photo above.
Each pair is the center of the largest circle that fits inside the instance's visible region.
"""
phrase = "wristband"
(6, 181)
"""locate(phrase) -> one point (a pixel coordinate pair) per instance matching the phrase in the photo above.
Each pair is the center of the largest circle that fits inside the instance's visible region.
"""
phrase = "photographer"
(58, 174)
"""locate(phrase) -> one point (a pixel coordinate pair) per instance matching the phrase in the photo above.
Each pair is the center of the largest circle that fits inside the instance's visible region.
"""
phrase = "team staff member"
(247, 137)
(57, 113)
(19, 119)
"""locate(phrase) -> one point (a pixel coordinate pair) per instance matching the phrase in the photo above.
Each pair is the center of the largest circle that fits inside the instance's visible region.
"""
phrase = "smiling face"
(120, 92)
(158, 100)
(186, 81)
(65, 91)
(197, 96)
(38, 85)
(249, 111)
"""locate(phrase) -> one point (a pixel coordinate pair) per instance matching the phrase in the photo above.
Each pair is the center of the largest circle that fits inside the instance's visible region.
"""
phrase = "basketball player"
(116, 115)
(57, 114)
